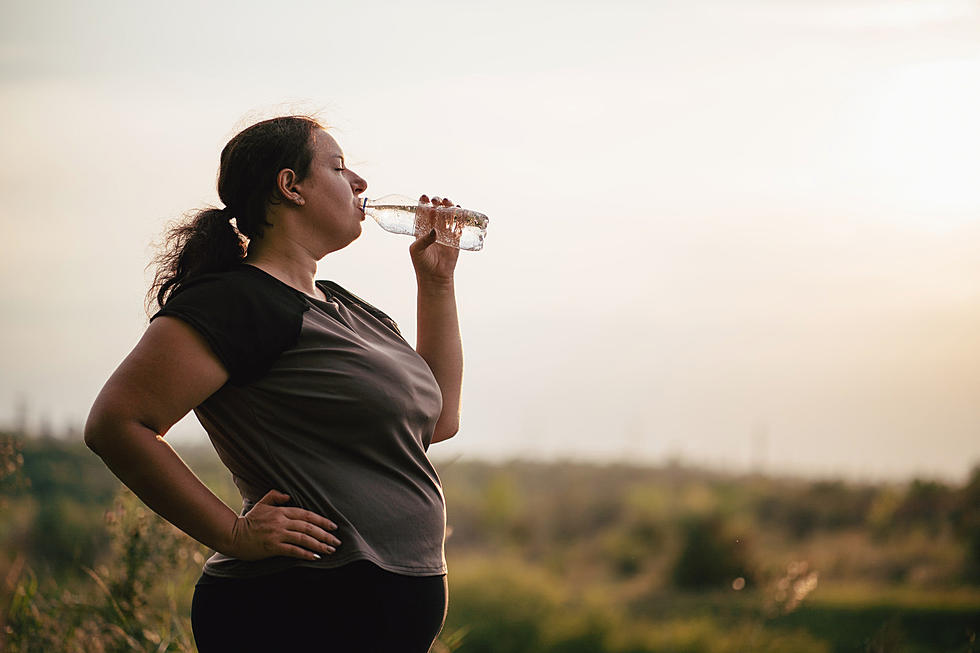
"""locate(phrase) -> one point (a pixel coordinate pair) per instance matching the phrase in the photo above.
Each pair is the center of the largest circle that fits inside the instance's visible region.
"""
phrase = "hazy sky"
(737, 233)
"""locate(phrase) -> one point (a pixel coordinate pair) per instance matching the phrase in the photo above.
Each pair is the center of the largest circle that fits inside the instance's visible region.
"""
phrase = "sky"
(740, 234)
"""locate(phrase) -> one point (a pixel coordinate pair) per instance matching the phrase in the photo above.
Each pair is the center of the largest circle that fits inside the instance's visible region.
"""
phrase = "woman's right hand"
(269, 529)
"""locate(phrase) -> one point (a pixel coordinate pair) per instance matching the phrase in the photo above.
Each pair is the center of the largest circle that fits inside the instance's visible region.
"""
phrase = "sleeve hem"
(200, 327)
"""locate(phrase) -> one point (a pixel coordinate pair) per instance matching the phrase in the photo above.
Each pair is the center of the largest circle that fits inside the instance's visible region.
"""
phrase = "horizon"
(186, 446)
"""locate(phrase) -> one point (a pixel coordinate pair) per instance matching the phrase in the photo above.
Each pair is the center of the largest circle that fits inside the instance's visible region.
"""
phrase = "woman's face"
(331, 194)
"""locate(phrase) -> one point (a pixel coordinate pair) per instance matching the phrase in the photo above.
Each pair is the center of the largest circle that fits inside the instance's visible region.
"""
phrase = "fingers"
(309, 542)
(433, 212)
(293, 551)
(294, 531)
(295, 537)
(436, 201)
(309, 530)
(313, 532)
(305, 515)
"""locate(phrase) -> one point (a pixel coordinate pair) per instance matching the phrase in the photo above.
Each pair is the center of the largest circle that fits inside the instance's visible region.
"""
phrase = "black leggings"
(358, 607)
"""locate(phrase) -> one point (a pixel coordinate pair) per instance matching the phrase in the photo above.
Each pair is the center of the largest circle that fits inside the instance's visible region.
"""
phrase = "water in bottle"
(455, 226)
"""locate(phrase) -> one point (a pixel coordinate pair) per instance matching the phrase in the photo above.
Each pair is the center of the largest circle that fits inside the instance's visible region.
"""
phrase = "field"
(561, 557)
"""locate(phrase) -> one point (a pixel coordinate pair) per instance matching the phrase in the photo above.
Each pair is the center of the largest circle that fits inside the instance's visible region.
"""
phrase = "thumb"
(422, 242)
(274, 498)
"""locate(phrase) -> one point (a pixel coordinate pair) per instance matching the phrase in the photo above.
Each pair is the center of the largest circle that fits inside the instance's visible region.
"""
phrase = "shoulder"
(350, 298)
(247, 317)
(244, 288)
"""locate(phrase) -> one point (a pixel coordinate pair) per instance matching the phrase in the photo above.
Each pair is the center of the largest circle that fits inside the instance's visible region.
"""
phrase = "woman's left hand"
(433, 261)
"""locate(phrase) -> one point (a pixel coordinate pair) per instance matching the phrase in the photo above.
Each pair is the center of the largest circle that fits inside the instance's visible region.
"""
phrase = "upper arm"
(171, 371)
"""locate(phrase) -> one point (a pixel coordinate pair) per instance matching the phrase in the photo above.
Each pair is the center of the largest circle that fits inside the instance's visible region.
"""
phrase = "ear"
(288, 187)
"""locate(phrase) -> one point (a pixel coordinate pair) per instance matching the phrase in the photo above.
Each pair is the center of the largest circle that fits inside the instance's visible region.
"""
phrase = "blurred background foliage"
(558, 557)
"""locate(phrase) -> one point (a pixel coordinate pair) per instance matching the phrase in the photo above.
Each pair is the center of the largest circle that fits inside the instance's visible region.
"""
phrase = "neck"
(292, 265)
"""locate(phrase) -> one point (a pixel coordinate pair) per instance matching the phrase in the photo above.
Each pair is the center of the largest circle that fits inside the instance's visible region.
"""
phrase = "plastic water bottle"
(455, 226)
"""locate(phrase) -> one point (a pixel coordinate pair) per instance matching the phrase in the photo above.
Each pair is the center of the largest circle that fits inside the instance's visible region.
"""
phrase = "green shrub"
(710, 556)
(124, 607)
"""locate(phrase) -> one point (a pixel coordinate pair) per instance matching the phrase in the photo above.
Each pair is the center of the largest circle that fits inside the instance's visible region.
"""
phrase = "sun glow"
(924, 139)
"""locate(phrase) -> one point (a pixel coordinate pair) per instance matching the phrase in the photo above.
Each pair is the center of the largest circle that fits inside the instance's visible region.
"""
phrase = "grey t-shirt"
(325, 402)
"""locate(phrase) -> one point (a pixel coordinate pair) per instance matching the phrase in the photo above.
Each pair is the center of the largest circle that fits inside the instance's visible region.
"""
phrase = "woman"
(313, 400)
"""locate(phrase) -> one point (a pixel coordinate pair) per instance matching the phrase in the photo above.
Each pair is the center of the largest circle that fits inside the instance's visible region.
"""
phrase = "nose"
(357, 183)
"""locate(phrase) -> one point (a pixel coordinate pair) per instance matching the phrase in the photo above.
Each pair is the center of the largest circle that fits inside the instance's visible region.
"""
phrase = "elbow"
(94, 432)
(102, 428)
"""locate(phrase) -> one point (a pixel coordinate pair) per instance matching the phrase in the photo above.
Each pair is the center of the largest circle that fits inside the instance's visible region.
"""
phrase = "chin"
(355, 235)
(341, 244)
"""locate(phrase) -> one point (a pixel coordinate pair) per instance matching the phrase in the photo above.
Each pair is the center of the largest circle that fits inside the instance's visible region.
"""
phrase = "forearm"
(440, 344)
(149, 466)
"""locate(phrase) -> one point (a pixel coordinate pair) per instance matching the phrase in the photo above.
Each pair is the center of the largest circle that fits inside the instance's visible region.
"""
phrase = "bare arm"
(439, 343)
(169, 372)
(438, 340)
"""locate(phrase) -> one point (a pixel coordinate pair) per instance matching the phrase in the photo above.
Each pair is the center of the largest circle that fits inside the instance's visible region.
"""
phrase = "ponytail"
(205, 242)
(250, 162)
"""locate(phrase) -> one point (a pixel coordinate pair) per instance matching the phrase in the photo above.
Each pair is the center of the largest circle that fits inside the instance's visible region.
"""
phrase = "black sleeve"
(248, 324)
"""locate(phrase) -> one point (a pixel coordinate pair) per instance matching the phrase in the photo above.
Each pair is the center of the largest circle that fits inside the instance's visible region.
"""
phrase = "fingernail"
(316, 556)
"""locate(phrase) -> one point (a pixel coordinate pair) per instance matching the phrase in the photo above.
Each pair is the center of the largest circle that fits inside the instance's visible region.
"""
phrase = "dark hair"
(206, 241)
